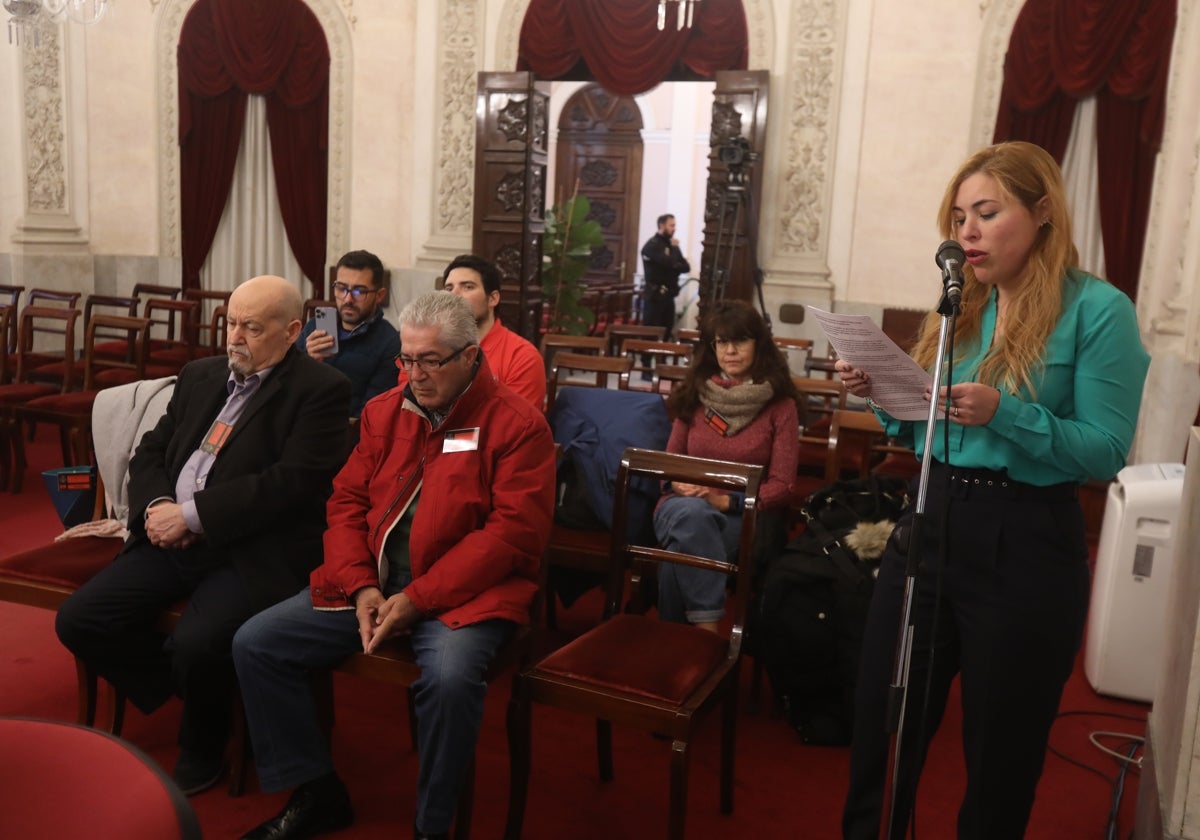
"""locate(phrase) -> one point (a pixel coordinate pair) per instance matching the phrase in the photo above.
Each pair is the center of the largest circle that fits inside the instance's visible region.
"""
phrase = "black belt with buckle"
(965, 482)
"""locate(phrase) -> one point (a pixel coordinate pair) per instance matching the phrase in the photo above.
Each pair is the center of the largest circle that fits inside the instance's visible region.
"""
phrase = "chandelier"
(30, 18)
(684, 11)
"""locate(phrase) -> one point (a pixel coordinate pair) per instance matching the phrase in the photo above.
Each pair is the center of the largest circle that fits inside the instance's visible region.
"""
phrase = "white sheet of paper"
(897, 382)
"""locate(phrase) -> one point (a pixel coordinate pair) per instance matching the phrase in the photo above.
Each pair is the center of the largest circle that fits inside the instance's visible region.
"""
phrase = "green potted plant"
(566, 249)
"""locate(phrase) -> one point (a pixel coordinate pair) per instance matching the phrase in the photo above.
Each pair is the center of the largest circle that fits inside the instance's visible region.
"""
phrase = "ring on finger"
(954, 410)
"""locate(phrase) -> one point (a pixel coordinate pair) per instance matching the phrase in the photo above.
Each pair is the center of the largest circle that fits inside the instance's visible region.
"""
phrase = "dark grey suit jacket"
(263, 505)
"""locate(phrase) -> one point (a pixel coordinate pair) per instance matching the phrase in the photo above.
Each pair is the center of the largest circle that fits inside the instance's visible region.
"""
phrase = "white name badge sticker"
(461, 440)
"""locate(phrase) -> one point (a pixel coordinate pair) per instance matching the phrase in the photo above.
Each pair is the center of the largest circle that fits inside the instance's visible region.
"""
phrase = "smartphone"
(327, 319)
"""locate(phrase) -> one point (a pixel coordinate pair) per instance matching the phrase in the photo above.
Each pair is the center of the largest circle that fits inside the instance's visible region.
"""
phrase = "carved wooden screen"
(739, 116)
(600, 146)
(511, 137)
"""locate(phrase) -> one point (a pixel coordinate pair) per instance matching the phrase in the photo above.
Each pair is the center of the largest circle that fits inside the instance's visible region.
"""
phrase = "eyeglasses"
(730, 343)
(427, 364)
(356, 292)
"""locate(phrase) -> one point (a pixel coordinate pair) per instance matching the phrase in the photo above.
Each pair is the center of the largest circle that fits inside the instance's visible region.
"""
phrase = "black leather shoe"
(196, 772)
(309, 811)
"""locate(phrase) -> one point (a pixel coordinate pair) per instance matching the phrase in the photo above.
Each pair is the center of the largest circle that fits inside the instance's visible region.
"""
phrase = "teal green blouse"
(1080, 425)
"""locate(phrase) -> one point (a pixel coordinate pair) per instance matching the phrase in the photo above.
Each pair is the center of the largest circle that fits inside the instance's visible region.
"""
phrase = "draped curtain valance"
(1119, 51)
(227, 50)
(621, 44)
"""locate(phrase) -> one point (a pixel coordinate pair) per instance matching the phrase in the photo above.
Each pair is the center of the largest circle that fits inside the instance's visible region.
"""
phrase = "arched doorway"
(600, 150)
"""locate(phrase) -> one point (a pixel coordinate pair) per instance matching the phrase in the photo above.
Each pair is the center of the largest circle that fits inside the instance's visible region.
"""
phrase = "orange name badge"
(215, 437)
(461, 440)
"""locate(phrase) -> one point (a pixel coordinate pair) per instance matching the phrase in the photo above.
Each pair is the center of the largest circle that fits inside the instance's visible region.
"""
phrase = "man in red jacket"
(513, 360)
(457, 568)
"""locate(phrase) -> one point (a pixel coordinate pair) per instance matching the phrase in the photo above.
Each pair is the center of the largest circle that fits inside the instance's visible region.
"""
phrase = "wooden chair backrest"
(46, 334)
(598, 371)
(617, 333)
(134, 330)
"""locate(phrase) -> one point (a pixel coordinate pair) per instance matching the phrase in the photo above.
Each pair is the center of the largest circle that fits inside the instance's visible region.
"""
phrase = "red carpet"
(784, 789)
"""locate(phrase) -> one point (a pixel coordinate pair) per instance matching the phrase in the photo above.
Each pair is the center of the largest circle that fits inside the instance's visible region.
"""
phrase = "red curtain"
(231, 48)
(621, 44)
(1119, 50)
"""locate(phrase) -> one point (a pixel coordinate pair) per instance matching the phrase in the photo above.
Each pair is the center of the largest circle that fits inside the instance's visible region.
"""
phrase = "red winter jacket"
(484, 516)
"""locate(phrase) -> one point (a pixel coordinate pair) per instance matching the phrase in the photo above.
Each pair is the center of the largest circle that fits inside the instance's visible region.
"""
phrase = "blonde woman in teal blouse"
(1048, 369)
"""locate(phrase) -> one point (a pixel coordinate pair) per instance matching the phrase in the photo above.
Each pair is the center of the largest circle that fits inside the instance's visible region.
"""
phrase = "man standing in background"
(662, 263)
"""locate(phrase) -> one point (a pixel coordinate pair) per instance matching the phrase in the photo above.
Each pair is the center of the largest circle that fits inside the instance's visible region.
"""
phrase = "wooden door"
(600, 146)
(733, 196)
(511, 139)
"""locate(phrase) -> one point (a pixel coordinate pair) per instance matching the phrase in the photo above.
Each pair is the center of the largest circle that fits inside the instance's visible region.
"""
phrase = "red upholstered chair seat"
(69, 563)
(62, 780)
(640, 655)
(19, 392)
(76, 402)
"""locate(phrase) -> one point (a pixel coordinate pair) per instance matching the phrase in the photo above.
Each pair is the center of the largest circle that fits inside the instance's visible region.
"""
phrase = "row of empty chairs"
(46, 379)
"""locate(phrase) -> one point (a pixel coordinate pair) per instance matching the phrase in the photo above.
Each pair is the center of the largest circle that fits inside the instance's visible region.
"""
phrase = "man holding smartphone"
(362, 344)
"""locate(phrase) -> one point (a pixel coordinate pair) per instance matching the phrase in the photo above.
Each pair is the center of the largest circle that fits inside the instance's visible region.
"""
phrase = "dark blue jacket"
(366, 356)
(594, 425)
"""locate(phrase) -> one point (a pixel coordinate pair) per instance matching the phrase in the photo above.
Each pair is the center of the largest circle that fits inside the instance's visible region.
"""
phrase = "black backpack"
(814, 600)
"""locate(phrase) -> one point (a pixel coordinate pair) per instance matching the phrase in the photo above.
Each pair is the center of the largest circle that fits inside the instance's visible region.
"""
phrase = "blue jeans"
(691, 525)
(273, 653)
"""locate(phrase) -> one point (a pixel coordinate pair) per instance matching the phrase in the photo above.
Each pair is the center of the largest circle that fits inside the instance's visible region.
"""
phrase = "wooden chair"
(212, 306)
(168, 353)
(8, 322)
(646, 357)
(819, 398)
(857, 445)
(35, 321)
(903, 326)
(798, 352)
(688, 336)
(52, 297)
(667, 376)
(72, 412)
(165, 321)
(109, 344)
(553, 343)
(578, 551)
(586, 371)
(44, 577)
(617, 333)
(638, 671)
(10, 296)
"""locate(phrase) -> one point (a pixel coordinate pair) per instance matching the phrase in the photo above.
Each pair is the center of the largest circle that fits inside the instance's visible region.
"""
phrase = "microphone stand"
(948, 308)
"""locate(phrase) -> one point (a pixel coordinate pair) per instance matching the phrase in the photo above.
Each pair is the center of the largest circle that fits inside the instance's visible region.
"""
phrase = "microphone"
(950, 259)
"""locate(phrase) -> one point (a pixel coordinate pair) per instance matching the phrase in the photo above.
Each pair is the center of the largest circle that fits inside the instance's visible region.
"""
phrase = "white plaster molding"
(760, 30)
(458, 61)
(1169, 288)
(808, 139)
(999, 17)
(47, 161)
(336, 19)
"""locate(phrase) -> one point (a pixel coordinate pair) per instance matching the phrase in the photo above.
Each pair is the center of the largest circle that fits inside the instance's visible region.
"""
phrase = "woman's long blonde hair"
(1026, 173)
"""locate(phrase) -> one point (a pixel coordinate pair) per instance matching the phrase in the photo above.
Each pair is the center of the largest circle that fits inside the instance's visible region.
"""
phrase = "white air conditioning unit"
(1126, 623)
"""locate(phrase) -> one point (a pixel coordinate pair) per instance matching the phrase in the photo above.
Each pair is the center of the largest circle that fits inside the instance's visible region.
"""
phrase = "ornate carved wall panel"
(806, 189)
(458, 61)
(48, 216)
(511, 138)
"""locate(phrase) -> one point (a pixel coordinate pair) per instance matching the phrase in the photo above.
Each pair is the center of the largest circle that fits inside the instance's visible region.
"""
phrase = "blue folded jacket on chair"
(594, 426)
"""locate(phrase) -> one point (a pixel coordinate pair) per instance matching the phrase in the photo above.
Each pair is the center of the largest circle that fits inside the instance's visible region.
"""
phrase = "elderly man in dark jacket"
(226, 510)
